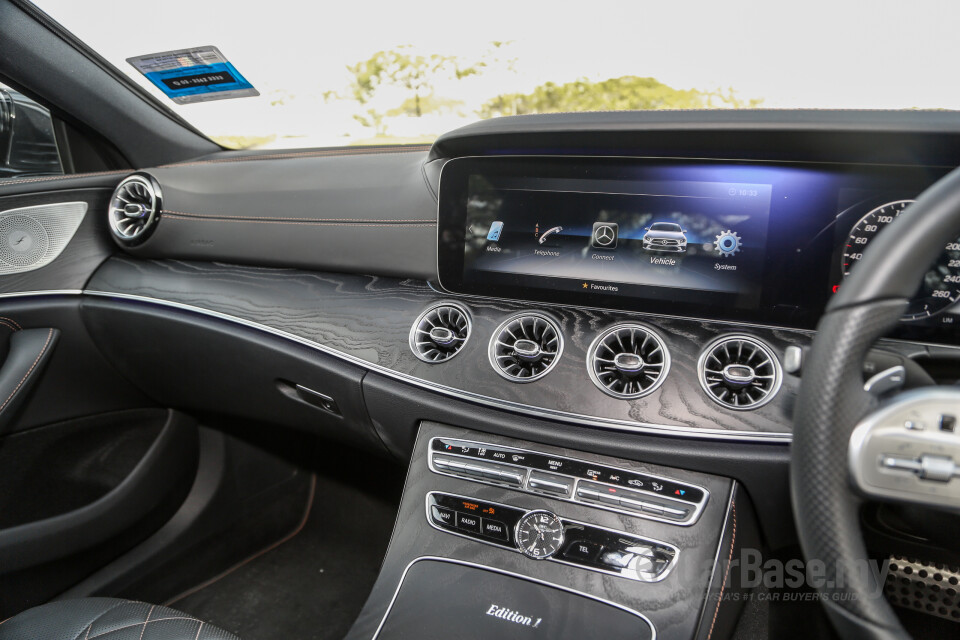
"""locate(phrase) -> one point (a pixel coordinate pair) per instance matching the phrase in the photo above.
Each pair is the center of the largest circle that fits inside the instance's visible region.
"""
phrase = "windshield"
(665, 226)
(396, 72)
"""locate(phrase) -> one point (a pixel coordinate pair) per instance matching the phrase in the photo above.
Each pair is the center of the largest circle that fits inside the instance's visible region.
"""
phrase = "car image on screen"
(665, 237)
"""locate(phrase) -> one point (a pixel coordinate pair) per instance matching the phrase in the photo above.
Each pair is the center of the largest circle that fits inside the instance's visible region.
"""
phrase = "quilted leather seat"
(107, 619)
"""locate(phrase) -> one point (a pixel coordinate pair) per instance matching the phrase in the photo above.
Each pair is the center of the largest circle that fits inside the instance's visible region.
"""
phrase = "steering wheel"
(847, 446)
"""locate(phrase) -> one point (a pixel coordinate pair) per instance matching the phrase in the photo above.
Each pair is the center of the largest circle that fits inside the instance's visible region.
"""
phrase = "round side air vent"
(525, 347)
(135, 208)
(739, 372)
(440, 332)
(628, 361)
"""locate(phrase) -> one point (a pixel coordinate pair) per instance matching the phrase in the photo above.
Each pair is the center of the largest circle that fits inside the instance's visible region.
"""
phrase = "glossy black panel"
(674, 605)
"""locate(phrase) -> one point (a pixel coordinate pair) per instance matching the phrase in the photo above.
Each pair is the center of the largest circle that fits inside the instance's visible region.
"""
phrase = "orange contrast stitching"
(726, 573)
(29, 371)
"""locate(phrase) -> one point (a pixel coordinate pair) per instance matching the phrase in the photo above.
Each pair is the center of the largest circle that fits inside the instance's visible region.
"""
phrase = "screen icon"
(605, 235)
(494, 234)
(727, 243)
(549, 232)
(665, 237)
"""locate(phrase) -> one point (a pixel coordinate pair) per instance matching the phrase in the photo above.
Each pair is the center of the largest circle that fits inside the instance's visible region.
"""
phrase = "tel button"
(582, 551)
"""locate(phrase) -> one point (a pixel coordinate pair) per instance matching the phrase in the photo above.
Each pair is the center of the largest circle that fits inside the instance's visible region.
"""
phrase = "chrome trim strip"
(495, 403)
(50, 292)
(698, 508)
(514, 549)
(376, 634)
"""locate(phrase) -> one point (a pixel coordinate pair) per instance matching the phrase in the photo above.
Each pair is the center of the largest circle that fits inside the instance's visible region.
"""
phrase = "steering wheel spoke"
(909, 450)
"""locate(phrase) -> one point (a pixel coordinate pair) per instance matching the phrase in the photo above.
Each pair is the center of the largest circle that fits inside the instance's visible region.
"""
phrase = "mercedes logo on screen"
(604, 235)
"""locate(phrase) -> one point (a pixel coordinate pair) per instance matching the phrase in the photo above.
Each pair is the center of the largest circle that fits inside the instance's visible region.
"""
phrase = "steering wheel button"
(948, 423)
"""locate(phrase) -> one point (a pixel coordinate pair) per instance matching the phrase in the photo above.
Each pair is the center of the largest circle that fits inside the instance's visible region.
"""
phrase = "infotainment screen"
(631, 237)
(712, 239)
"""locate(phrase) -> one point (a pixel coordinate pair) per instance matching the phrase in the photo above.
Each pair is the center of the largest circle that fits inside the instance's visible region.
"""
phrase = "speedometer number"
(941, 284)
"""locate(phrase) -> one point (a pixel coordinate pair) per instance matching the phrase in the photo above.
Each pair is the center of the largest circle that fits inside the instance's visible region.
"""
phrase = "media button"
(495, 529)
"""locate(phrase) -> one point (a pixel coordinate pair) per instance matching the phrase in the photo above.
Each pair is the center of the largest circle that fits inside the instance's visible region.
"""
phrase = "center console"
(501, 538)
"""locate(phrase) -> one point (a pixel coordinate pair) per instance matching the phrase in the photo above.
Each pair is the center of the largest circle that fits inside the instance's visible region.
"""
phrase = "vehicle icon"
(665, 237)
(605, 235)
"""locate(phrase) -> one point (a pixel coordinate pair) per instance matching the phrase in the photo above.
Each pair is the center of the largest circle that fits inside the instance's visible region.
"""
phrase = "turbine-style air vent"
(135, 209)
(628, 361)
(440, 332)
(739, 372)
(526, 347)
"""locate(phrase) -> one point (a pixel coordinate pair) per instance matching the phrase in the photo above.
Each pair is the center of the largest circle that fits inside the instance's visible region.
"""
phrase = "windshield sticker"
(200, 74)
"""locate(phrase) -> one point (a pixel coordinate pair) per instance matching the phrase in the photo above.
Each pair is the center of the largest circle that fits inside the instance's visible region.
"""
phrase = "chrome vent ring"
(739, 372)
(526, 347)
(135, 208)
(628, 361)
(440, 332)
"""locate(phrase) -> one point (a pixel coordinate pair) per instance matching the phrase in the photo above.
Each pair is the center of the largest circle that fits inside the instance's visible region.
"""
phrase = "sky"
(806, 54)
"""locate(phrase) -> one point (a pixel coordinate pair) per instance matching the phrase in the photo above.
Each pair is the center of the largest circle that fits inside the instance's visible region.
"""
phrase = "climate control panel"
(569, 479)
(543, 535)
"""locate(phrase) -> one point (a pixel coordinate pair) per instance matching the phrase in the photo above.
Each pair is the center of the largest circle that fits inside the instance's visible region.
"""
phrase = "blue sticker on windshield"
(194, 75)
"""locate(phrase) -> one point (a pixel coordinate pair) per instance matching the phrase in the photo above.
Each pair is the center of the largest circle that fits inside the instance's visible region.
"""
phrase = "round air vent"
(628, 361)
(135, 208)
(440, 332)
(525, 347)
(739, 372)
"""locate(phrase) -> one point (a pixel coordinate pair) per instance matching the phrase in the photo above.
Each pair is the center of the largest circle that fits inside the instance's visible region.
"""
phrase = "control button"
(913, 425)
(617, 559)
(550, 483)
(928, 467)
(508, 476)
(598, 493)
(793, 359)
(948, 423)
(442, 515)
(450, 465)
(679, 513)
(582, 551)
(469, 522)
(495, 529)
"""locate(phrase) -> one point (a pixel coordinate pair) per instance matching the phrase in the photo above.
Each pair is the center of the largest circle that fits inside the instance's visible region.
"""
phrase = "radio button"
(469, 522)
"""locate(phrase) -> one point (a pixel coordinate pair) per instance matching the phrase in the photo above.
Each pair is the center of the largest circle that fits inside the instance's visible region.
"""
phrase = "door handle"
(28, 354)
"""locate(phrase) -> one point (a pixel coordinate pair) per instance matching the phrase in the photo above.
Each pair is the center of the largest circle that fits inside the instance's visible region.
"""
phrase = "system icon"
(727, 243)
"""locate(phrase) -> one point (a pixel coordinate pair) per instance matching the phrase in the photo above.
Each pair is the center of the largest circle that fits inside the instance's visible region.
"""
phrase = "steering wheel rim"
(832, 401)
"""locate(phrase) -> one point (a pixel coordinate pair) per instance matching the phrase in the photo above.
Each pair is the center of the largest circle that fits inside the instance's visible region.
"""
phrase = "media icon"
(494, 234)
(605, 235)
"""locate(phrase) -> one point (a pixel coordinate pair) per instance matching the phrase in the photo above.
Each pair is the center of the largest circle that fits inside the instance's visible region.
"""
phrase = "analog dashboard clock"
(539, 534)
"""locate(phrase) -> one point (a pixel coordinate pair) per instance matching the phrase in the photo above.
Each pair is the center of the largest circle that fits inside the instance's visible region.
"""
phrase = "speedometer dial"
(941, 284)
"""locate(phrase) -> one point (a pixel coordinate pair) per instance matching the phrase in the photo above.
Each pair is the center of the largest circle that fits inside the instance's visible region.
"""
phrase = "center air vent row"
(626, 361)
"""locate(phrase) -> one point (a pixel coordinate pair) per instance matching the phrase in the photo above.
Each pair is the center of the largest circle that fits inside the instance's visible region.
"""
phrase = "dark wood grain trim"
(498, 403)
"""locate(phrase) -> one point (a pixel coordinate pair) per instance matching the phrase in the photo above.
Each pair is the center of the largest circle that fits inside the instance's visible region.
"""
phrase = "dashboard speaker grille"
(628, 361)
(440, 332)
(134, 209)
(526, 347)
(739, 372)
